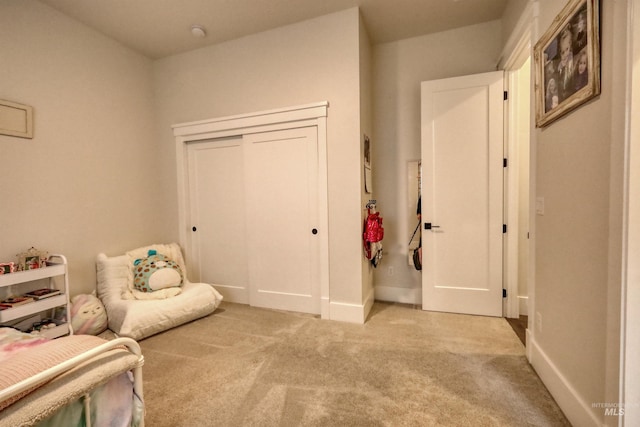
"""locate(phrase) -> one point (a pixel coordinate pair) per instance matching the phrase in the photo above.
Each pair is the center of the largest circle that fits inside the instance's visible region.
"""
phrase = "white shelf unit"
(56, 266)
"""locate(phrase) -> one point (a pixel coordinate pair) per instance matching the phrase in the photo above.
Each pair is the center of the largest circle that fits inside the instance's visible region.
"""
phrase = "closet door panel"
(219, 241)
(281, 173)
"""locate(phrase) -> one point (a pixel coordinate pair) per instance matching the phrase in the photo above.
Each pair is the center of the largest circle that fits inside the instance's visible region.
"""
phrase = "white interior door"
(462, 194)
(281, 172)
(217, 206)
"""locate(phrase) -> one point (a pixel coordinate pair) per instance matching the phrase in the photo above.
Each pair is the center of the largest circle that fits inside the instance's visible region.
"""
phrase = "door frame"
(515, 53)
(308, 115)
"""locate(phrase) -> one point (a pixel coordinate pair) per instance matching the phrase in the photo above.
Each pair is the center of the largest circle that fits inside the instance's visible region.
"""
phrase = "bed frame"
(73, 379)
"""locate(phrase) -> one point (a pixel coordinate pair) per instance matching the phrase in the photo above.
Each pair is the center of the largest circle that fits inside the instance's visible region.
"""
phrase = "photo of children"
(566, 61)
(581, 76)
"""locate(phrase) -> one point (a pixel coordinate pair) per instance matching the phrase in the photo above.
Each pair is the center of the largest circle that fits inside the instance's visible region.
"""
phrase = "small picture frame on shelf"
(7, 267)
(32, 259)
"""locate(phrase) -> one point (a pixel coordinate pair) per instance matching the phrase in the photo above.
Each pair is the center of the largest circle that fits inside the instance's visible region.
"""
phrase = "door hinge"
(504, 228)
(504, 293)
(506, 95)
(505, 163)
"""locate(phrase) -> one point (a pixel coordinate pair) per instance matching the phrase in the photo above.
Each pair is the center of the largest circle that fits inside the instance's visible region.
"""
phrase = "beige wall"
(315, 60)
(578, 239)
(398, 69)
(511, 16)
(87, 181)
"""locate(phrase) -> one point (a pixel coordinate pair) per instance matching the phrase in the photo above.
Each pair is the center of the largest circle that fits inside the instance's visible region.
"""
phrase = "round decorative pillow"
(88, 316)
(156, 272)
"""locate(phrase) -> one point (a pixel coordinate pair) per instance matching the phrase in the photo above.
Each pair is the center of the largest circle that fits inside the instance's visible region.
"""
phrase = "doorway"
(517, 184)
(520, 180)
(515, 254)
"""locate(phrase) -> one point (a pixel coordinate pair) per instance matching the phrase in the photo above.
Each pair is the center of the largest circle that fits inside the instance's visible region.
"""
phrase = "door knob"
(314, 231)
(193, 228)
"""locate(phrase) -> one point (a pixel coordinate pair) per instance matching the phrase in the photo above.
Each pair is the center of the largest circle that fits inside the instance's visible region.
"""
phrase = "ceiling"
(159, 28)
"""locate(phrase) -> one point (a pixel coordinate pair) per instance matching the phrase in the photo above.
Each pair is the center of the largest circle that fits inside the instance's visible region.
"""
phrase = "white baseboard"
(577, 410)
(523, 305)
(398, 294)
(352, 313)
(233, 293)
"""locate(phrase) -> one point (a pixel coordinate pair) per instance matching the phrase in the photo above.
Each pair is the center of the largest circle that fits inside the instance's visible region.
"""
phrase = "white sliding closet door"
(254, 217)
(253, 214)
(281, 176)
(218, 228)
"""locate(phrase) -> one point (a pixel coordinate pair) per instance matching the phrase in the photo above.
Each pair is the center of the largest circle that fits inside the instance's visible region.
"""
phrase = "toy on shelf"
(31, 259)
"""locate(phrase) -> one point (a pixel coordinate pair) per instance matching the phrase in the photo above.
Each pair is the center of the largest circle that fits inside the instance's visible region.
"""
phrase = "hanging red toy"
(372, 235)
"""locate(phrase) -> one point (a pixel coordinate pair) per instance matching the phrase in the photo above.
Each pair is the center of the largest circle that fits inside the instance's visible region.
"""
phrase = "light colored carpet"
(245, 366)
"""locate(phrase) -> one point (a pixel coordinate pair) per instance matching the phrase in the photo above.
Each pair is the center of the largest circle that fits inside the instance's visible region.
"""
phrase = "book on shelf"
(42, 293)
(16, 301)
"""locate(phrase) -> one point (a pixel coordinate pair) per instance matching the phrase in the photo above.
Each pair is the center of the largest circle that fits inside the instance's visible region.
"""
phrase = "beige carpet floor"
(245, 366)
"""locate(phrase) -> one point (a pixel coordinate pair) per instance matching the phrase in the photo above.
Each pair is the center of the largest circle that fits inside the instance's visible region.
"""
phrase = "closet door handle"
(314, 231)
(194, 228)
(428, 226)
